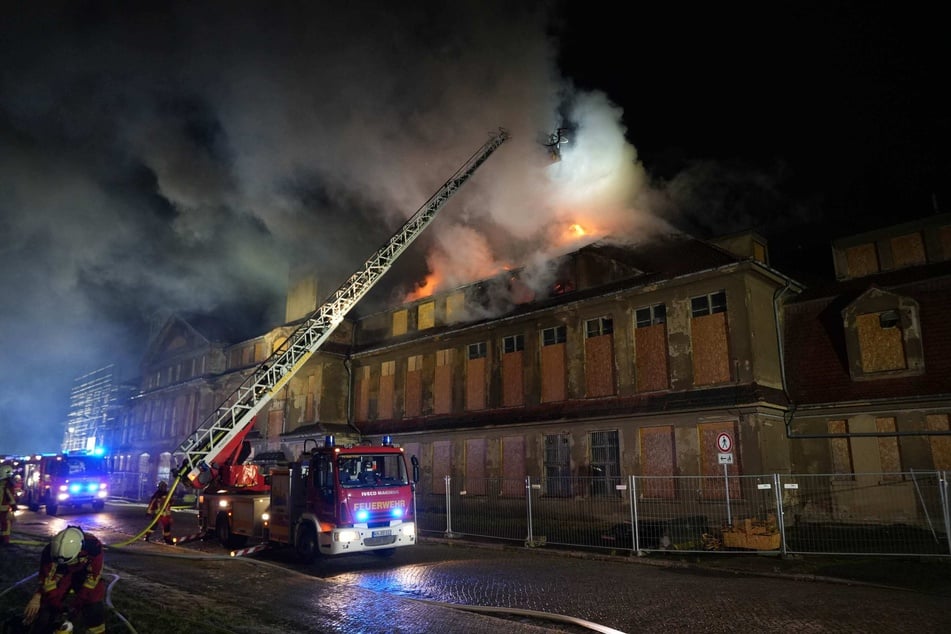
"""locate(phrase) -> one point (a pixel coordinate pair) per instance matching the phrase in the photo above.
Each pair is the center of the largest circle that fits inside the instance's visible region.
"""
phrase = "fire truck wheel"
(98, 505)
(306, 544)
(225, 536)
(51, 509)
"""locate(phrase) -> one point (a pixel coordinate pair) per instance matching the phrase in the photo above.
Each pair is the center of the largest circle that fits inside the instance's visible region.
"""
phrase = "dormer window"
(882, 336)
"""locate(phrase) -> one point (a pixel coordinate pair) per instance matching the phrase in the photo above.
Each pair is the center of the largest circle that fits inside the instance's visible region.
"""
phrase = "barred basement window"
(551, 336)
(708, 304)
(477, 350)
(650, 315)
(513, 343)
(599, 326)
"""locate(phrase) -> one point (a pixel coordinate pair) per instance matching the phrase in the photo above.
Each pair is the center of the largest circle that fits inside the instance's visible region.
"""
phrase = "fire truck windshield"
(77, 466)
(372, 470)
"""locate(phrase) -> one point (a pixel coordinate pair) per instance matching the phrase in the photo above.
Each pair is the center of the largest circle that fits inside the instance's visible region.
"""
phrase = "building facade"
(627, 360)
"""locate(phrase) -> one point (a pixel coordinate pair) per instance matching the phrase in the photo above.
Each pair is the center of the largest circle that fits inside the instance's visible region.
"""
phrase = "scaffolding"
(93, 404)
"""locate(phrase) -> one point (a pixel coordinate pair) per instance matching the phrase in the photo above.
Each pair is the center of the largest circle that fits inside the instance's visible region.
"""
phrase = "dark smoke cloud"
(184, 156)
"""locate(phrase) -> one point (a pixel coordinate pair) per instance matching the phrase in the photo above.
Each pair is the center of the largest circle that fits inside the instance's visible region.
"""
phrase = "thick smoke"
(184, 156)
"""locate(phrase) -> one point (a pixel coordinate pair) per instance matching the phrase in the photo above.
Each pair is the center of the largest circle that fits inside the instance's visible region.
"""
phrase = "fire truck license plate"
(383, 533)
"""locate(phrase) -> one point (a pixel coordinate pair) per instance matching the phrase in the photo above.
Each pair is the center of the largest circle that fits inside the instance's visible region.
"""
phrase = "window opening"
(599, 326)
(650, 315)
(552, 336)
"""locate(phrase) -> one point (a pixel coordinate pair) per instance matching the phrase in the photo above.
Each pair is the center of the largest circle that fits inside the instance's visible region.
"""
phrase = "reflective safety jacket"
(84, 576)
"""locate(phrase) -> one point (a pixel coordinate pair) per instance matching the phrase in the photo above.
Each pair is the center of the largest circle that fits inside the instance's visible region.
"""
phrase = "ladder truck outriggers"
(332, 499)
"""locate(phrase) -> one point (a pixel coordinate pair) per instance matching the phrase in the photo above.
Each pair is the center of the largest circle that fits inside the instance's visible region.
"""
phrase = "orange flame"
(425, 288)
(572, 233)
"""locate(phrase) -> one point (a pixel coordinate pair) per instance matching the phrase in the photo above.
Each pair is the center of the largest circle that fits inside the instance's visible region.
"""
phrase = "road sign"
(725, 442)
(725, 458)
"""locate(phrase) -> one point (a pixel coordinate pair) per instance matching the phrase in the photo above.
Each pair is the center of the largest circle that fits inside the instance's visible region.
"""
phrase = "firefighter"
(8, 503)
(165, 517)
(71, 562)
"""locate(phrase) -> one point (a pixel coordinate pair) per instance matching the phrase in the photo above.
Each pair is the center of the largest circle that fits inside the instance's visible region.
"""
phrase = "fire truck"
(334, 499)
(70, 479)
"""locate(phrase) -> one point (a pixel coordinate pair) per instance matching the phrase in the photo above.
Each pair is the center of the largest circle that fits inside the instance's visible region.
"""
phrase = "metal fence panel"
(881, 513)
(867, 513)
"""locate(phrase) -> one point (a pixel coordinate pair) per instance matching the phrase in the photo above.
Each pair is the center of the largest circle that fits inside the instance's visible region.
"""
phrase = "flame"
(425, 288)
(572, 233)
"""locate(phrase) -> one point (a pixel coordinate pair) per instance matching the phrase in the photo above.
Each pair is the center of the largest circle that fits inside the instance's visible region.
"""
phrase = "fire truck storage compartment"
(246, 513)
(287, 501)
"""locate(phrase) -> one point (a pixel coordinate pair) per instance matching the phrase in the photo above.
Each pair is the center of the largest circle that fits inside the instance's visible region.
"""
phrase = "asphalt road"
(414, 590)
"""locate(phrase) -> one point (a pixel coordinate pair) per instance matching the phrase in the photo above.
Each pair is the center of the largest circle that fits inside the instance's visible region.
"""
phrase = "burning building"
(611, 359)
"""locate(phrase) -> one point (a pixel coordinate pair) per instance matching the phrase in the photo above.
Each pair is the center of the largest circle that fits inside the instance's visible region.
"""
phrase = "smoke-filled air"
(188, 157)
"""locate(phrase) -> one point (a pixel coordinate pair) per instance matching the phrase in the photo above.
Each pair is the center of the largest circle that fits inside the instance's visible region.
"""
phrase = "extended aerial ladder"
(221, 433)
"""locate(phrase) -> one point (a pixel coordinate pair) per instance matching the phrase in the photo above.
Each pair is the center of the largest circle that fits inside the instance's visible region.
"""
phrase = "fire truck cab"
(71, 479)
(334, 500)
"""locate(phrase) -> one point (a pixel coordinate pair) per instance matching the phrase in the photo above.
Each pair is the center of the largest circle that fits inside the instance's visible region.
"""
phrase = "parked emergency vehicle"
(333, 499)
(69, 479)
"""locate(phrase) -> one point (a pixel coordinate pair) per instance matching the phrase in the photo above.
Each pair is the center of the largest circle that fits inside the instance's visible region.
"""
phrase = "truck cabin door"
(324, 486)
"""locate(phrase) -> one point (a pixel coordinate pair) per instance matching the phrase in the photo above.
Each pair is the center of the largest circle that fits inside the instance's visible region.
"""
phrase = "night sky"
(188, 156)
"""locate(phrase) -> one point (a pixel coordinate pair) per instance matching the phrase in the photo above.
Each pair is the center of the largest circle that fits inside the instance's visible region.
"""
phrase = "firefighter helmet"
(5, 471)
(66, 544)
(163, 485)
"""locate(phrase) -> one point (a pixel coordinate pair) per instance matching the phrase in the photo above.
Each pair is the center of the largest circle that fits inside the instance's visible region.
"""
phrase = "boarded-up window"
(455, 307)
(711, 353)
(888, 449)
(399, 322)
(442, 385)
(650, 348)
(880, 341)
(513, 466)
(275, 423)
(385, 403)
(714, 487)
(475, 466)
(413, 397)
(599, 357)
(554, 378)
(940, 445)
(908, 250)
(862, 260)
(310, 408)
(841, 451)
(442, 465)
(512, 383)
(657, 462)
(426, 316)
(362, 389)
(475, 376)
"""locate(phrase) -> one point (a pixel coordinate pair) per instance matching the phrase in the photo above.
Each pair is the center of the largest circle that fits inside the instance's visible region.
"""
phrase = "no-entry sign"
(725, 442)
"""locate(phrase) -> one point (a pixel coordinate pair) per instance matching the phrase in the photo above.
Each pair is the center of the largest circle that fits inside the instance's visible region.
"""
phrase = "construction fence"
(842, 514)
